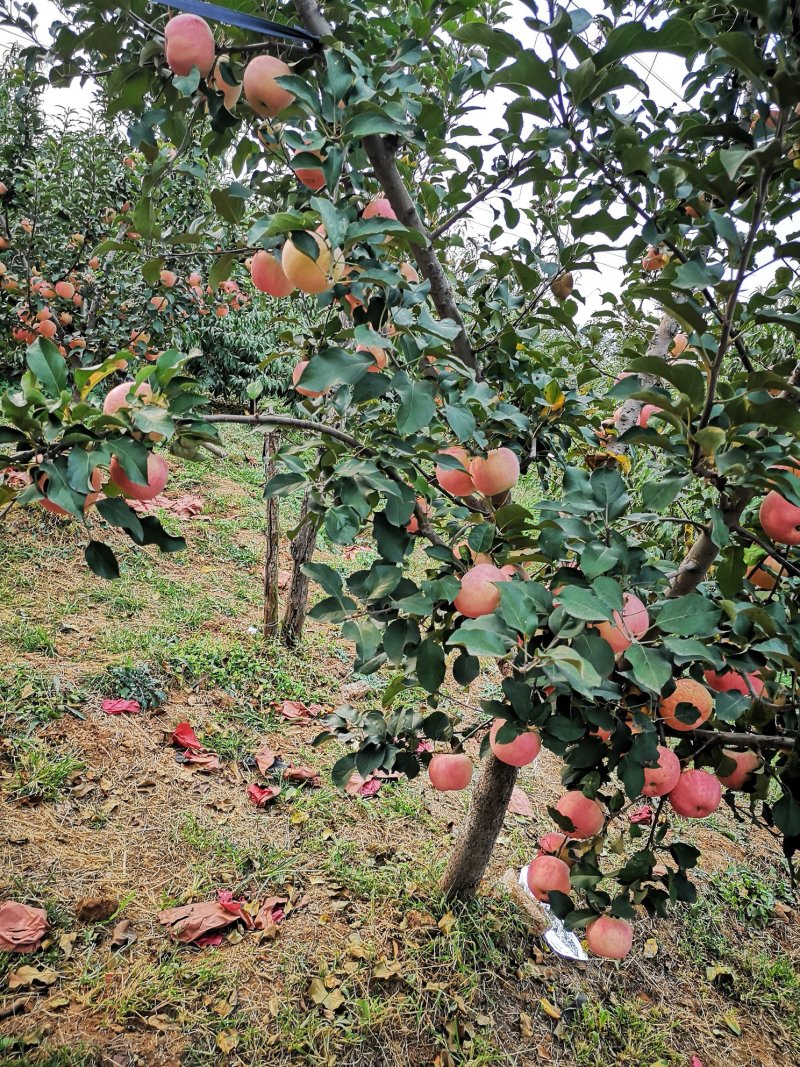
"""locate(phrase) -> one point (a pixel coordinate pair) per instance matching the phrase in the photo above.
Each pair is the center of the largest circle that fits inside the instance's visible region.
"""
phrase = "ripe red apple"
(409, 273)
(628, 625)
(609, 937)
(545, 874)
(687, 691)
(168, 278)
(647, 411)
(696, 795)
(66, 290)
(585, 814)
(312, 177)
(296, 375)
(307, 274)
(556, 844)
(517, 753)
(231, 90)
(457, 482)
(746, 762)
(261, 90)
(731, 682)
(780, 519)
(117, 397)
(660, 780)
(479, 594)
(157, 475)
(497, 473)
(765, 574)
(450, 771)
(379, 208)
(189, 43)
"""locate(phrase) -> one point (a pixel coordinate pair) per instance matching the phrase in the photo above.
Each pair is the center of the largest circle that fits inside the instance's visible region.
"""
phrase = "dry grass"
(94, 804)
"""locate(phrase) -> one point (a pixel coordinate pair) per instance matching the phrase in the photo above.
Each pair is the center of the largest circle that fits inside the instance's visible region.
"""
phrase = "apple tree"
(447, 371)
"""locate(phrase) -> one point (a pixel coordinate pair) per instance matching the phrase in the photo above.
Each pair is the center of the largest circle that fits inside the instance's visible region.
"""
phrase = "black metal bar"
(238, 18)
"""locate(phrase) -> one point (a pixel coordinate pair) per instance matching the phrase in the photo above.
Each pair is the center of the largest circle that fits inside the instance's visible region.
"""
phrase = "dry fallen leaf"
(525, 1025)
(549, 1009)
(650, 950)
(22, 928)
(31, 977)
(520, 804)
(96, 909)
(316, 990)
(122, 935)
(227, 1040)
(67, 943)
(447, 922)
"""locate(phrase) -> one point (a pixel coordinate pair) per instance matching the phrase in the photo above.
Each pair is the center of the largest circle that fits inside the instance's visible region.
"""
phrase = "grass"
(623, 1033)
(38, 774)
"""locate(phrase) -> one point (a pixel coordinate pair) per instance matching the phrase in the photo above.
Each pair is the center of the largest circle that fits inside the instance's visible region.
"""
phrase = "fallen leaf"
(362, 787)
(31, 978)
(183, 736)
(696, 1062)
(732, 1023)
(265, 758)
(520, 804)
(316, 990)
(650, 950)
(204, 761)
(525, 1025)
(297, 711)
(388, 969)
(549, 1009)
(22, 928)
(12, 1007)
(643, 814)
(302, 774)
(184, 507)
(67, 943)
(224, 1006)
(261, 795)
(334, 1000)
(120, 707)
(447, 922)
(227, 1040)
(122, 935)
(201, 923)
(271, 912)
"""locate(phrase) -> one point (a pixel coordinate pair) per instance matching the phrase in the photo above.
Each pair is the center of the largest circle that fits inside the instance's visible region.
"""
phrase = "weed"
(135, 683)
(625, 1032)
(36, 773)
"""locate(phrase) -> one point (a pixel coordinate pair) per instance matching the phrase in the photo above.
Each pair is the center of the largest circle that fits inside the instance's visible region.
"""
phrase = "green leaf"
(565, 664)
(651, 670)
(342, 770)
(461, 421)
(335, 366)
(416, 403)
(697, 274)
(221, 270)
(370, 123)
(488, 37)
(48, 366)
(580, 603)
(527, 72)
(688, 616)
(101, 560)
(659, 494)
(117, 512)
(598, 558)
(430, 665)
(479, 640)
(517, 608)
(786, 813)
(674, 35)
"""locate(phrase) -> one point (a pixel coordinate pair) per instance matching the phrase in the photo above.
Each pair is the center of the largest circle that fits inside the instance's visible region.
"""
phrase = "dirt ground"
(369, 965)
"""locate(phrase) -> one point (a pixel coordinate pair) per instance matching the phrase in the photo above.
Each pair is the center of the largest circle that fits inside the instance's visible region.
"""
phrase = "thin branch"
(296, 424)
(506, 176)
(770, 742)
(776, 553)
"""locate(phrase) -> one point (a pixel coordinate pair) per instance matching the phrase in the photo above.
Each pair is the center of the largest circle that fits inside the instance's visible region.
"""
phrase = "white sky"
(663, 73)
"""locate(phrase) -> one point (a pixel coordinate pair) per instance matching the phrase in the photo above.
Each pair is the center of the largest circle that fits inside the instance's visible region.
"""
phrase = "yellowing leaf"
(650, 948)
(227, 1040)
(447, 922)
(549, 1009)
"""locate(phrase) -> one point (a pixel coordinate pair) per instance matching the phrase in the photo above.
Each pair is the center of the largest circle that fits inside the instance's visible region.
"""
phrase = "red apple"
(479, 594)
(157, 475)
(450, 771)
(547, 873)
(457, 482)
(687, 691)
(609, 937)
(746, 762)
(696, 795)
(517, 753)
(585, 814)
(660, 780)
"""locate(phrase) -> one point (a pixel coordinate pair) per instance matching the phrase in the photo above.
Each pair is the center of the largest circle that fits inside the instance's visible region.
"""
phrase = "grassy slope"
(96, 804)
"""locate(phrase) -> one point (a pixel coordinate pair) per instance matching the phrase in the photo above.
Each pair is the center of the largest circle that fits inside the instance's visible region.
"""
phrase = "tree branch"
(295, 424)
(766, 741)
(383, 161)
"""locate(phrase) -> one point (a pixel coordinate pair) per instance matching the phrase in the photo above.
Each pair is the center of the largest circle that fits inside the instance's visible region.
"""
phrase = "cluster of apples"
(116, 400)
(46, 309)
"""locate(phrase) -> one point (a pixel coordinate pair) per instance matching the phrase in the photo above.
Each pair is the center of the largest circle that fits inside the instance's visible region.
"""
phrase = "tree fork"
(475, 844)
